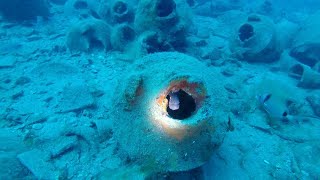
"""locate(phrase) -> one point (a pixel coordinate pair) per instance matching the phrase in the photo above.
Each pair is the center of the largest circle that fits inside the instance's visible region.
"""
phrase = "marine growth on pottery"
(169, 113)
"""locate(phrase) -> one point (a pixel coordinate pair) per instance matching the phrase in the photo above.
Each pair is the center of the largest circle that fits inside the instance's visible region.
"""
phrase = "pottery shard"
(63, 145)
(35, 161)
(75, 98)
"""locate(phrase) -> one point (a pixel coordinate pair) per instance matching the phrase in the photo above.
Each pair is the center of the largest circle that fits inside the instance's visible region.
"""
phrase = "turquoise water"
(159, 89)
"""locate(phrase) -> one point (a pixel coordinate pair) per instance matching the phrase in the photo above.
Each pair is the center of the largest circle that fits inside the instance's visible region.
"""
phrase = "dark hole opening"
(285, 114)
(95, 44)
(191, 3)
(93, 41)
(153, 43)
(181, 105)
(165, 7)
(128, 33)
(80, 5)
(284, 117)
(245, 32)
(120, 7)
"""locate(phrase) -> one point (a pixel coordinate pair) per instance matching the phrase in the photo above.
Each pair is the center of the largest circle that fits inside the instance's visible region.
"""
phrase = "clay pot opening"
(120, 7)
(182, 99)
(181, 105)
(94, 43)
(165, 7)
(246, 31)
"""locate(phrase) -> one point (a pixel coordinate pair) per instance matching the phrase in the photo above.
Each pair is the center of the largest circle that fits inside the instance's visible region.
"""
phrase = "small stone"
(48, 99)
(97, 93)
(94, 71)
(17, 95)
(22, 81)
(230, 88)
(34, 38)
(37, 126)
(7, 61)
(227, 72)
(7, 81)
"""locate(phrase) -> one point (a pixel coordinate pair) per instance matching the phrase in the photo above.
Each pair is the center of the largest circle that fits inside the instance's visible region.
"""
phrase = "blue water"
(159, 89)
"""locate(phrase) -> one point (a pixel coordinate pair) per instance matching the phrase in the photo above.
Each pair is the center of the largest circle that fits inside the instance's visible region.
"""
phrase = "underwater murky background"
(159, 89)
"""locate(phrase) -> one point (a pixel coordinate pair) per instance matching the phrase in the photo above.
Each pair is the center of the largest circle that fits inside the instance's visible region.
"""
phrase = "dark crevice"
(154, 43)
(165, 7)
(128, 33)
(246, 32)
(191, 3)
